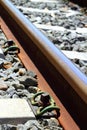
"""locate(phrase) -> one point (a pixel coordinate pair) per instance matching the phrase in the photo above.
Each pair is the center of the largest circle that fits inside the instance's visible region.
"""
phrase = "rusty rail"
(68, 83)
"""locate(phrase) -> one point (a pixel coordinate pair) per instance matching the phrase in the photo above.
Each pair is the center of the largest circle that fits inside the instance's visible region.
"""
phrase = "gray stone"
(17, 85)
(15, 96)
(11, 91)
(22, 71)
(83, 63)
(32, 89)
(21, 127)
(33, 125)
(10, 127)
(42, 6)
(3, 85)
(31, 73)
(28, 81)
(2, 92)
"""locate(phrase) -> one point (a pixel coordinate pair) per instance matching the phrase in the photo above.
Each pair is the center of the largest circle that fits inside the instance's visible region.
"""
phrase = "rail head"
(67, 69)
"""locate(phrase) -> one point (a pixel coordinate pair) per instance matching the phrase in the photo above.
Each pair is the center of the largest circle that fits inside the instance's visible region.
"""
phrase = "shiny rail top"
(69, 71)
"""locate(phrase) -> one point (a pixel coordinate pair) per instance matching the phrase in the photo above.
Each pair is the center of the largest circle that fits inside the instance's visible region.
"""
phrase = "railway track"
(63, 23)
(68, 84)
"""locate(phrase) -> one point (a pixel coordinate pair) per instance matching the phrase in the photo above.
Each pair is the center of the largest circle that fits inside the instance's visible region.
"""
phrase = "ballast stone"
(3, 85)
(15, 111)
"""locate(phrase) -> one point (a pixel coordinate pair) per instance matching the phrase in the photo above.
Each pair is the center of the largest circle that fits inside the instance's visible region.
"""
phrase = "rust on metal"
(69, 84)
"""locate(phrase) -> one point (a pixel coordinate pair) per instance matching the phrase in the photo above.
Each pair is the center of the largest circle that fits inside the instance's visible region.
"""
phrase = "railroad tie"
(15, 111)
(1, 54)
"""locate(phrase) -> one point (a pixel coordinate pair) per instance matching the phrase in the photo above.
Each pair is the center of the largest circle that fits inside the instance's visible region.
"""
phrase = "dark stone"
(28, 81)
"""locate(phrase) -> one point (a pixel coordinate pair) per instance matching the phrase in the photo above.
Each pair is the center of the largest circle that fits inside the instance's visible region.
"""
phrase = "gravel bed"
(17, 82)
(71, 36)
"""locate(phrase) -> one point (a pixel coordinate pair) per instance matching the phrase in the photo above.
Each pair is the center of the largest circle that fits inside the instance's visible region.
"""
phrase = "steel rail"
(66, 70)
(41, 81)
(72, 74)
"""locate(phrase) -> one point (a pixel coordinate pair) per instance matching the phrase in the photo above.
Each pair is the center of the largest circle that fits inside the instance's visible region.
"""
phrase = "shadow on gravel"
(80, 2)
